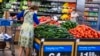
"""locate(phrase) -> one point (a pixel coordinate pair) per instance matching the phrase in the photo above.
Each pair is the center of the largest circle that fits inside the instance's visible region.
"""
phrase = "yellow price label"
(0, 1)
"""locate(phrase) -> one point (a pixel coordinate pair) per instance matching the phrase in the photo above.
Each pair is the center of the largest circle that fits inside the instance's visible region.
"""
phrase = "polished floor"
(8, 52)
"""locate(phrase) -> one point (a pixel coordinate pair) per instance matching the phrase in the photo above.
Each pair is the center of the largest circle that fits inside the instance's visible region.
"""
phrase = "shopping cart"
(5, 23)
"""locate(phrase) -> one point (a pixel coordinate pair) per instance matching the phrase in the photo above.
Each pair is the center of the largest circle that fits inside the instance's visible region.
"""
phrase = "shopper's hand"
(14, 17)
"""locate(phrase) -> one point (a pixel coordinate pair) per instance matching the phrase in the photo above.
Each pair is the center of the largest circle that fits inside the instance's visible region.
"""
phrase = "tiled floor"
(8, 52)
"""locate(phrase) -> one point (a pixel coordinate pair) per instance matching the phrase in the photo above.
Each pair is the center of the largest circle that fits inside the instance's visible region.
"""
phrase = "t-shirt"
(35, 19)
(74, 16)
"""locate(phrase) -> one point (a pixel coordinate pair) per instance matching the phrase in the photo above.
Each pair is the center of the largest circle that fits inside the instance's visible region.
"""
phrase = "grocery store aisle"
(8, 52)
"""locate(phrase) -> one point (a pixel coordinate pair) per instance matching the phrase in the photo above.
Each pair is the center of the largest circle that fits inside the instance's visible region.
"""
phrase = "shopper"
(6, 33)
(26, 32)
(74, 15)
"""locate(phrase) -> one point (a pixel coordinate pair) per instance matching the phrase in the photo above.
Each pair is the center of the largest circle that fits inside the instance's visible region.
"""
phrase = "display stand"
(53, 47)
(87, 47)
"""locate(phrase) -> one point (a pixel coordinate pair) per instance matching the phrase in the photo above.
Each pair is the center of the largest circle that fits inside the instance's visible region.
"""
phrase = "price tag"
(36, 46)
(88, 50)
(58, 50)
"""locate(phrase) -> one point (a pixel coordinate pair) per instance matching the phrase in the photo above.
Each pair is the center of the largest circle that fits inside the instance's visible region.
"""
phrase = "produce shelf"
(56, 39)
(91, 20)
(53, 12)
(43, 6)
(56, 46)
(92, 11)
(91, 16)
(91, 7)
(93, 3)
(89, 40)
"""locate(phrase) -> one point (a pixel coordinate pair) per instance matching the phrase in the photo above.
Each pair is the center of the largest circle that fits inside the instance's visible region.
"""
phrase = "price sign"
(58, 50)
(37, 48)
(88, 50)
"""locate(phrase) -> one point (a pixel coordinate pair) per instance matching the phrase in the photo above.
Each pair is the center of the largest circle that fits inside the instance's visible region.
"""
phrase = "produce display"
(23, 5)
(91, 14)
(67, 9)
(51, 31)
(65, 17)
(44, 19)
(68, 24)
(84, 32)
(67, 29)
(63, 10)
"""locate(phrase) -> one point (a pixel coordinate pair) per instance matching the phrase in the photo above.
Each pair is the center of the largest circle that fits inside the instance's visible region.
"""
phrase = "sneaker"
(7, 36)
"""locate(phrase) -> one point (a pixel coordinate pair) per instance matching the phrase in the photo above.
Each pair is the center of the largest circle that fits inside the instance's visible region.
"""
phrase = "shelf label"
(58, 50)
(88, 50)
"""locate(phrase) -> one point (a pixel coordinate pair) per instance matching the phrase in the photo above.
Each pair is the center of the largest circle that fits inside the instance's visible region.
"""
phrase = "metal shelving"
(92, 13)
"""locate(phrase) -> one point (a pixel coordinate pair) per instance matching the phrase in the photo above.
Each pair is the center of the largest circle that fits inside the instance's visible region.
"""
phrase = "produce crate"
(87, 47)
(54, 47)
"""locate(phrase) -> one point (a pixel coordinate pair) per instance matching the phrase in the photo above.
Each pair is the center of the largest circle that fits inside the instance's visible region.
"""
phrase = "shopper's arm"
(19, 15)
(35, 19)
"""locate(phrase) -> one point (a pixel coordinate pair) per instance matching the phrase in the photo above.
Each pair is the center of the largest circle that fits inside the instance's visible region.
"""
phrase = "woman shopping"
(27, 29)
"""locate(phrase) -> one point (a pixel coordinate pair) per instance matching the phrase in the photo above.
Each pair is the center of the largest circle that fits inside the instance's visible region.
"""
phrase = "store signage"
(58, 50)
(36, 46)
(88, 50)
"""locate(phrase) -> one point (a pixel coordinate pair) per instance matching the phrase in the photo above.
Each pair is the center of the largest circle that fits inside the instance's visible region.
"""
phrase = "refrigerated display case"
(61, 9)
(92, 14)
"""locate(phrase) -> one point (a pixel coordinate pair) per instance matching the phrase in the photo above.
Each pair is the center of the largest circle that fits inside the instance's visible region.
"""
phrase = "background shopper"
(74, 15)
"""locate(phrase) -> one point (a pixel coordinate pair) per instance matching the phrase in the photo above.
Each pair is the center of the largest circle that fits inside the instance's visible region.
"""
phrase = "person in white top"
(74, 15)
